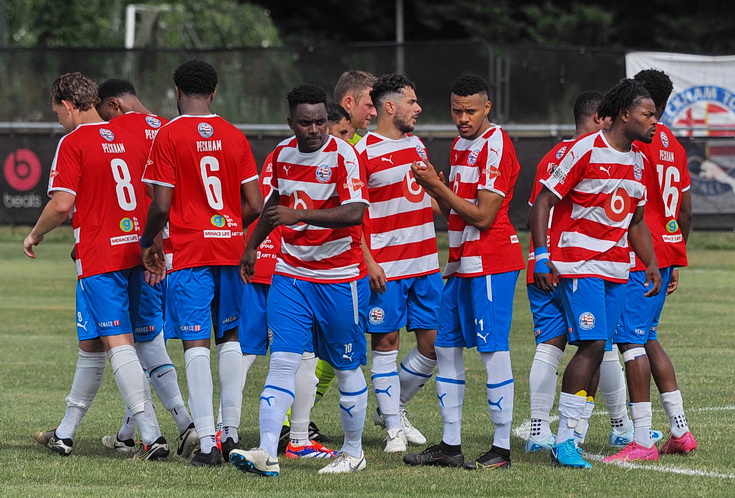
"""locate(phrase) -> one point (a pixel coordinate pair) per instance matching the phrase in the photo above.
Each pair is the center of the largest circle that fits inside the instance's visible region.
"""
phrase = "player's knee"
(633, 354)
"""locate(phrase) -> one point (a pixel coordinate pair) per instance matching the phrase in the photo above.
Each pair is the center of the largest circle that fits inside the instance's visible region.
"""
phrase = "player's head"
(113, 94)
(395, 100)
(470, 105)
(352, 92)
(307, 106)
(339, 121)
(72, 94)
(659, 85)
(631, 109)
(586, 119)
(196, 79)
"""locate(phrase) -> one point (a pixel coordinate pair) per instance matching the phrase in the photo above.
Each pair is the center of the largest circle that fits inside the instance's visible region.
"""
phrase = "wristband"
(541, 254)
(541, 266)
(145, 242)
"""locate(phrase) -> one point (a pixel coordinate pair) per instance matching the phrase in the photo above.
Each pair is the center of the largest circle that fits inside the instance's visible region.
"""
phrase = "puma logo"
(606, 170)
(483, 337)
(388, 159)
(267, 399)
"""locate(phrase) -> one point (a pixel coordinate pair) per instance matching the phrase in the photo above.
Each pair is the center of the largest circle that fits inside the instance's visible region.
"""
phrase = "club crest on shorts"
(586, 321)
(472, 158)
(270, 336)
(323, 173)
(376, 315)
(107, 134)
(153, 122)
(205, 130)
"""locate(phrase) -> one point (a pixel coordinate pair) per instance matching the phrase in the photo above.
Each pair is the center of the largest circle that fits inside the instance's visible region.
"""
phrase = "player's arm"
(344, 215)
(252, 202)
(480, 215)
(426, 176)
(260, 232)
(640, 241)
(685, 214)
(53, 215)
(152, 252)
(376, 274)
(545, 274)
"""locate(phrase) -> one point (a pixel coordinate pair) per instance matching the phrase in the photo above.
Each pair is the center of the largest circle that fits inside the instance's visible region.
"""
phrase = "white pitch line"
(523, 430)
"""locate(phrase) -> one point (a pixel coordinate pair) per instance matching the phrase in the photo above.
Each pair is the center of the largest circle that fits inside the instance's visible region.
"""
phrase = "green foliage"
(580, 24)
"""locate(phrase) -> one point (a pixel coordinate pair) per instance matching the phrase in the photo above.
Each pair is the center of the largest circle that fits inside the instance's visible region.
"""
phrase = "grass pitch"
(39, 355)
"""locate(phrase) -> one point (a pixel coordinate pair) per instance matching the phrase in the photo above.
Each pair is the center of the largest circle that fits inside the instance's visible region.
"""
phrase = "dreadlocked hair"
(625, 95)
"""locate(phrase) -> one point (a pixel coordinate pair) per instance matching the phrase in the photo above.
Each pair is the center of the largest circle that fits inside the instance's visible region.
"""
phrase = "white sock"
(164, 379)
(230, 385)
(247, 362)
(87, 379)
(128, 427)
(353, 399)
(277, 397)
(450, 386)
(303, 400)
(416, 369)
(580, 431)
(612, 389)
(642, 421)
(542, 382)
(571, 408)
(133, 386)
(384, 377)
(674, 408)
(500, 395)
(199, 381)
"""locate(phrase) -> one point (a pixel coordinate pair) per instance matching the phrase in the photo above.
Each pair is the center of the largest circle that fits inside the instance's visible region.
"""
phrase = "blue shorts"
(548, 314)
(409, 302)
(329, 319)
(117, 303)
(640, 317)
(477, 312)
(253, 331)
(199, 299)
(592, 308)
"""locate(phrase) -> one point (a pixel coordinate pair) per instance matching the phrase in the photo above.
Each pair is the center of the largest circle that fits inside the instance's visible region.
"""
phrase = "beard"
(402, 125)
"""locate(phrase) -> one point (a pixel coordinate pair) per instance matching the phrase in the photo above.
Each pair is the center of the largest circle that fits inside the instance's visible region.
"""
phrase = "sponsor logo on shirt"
(672, 239)
(205, 130)
(560, 152)
(126, 225)
(376, 315)
(664, 139)
(323, 173)
(672, 226)
(218, 220)
(559, 175)
(107, 134)
(153, 122)
(493, 173)
(472, 158)
(421, 151)
(217, 234)
(586, 321)
(123, 239)
(353, 184)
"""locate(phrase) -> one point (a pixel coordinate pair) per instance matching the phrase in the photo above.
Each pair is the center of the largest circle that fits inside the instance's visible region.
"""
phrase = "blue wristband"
(541, 253)
(541, 266)
(145, 242)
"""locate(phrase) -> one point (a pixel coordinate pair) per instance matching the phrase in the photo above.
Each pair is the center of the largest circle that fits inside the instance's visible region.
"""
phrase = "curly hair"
(76, 88)
(115, 87)
(336, 113)
(388, 84)
(586, 105)
(625, 95)
(306, 94)
(196, 78)
(353, 82)
(470, 84)
(657, 83)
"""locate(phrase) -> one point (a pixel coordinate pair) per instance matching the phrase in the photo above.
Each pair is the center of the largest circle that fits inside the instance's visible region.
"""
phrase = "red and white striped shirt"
(600, 189)
(327, 178)
(487, 163)
(399, 228)
(268, 250)
(664, 185)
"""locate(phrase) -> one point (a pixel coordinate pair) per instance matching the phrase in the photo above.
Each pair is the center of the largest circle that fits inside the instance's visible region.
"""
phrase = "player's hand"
(653, 277)
(426, 175)
(247, 265)
(281, 215)
(673, 282)
(545, 275)
(152, 279)
(28, 244)
(154, 260)
(377, 277)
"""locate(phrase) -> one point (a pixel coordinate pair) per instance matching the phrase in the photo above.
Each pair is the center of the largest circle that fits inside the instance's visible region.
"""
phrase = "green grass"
(39, 355)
